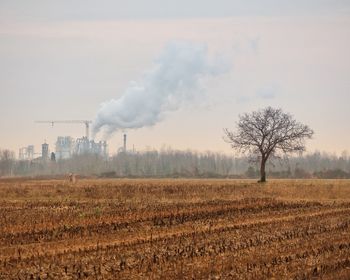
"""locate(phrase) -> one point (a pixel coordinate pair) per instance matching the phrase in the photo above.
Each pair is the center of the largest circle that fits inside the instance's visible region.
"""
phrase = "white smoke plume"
(172, 81)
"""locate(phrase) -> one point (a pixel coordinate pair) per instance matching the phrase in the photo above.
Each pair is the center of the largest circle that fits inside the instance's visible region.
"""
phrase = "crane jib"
(86, 122)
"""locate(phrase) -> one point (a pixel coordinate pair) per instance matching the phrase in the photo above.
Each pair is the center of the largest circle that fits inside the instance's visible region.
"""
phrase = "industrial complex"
(66, 146)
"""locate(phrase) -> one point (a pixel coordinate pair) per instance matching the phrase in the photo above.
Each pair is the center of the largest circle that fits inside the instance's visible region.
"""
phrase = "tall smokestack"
(124, 143)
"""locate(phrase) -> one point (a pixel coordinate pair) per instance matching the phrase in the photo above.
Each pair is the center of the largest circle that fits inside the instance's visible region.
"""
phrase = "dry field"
(175, 229)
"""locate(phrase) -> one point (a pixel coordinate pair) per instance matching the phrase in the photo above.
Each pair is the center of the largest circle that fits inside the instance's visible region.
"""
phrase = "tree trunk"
(262, 171)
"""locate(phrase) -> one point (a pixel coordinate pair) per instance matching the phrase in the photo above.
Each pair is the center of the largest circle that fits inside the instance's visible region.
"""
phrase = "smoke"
(172, 81)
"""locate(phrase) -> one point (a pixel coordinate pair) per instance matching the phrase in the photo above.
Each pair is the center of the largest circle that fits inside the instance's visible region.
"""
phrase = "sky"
(63, 59)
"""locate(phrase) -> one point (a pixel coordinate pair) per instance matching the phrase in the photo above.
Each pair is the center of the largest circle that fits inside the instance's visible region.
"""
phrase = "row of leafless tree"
(172, 163)
(7, 162)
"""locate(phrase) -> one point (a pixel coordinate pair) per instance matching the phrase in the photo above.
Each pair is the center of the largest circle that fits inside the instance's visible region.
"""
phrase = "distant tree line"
(174, 163)
(7, 163)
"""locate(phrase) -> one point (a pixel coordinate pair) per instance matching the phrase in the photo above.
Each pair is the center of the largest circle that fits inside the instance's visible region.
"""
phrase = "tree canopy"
(267, 133)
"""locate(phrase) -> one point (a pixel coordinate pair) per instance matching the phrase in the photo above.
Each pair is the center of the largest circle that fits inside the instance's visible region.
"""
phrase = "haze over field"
(162, 139)
(62, 60)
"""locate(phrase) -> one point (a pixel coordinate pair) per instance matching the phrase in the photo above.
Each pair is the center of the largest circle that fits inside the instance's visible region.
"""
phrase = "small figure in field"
(72, 178)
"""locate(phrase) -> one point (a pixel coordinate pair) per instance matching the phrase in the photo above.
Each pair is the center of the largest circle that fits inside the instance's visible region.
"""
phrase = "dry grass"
(174, 229)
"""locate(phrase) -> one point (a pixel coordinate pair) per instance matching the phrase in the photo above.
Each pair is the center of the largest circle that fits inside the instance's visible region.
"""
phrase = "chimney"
(124, 143)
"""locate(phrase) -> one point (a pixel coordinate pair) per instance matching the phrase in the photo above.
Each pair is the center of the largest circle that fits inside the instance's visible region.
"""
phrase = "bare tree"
(268, 133)
(7, 161)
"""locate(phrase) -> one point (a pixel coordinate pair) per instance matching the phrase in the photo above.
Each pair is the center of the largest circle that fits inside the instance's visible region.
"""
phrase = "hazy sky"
(62, 59)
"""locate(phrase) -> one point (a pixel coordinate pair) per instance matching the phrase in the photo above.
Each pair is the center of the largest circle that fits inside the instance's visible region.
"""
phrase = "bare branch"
(268, 133)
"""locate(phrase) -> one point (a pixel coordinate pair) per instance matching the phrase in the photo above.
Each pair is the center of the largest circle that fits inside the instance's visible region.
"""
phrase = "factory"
(66, 146)
(26, 153)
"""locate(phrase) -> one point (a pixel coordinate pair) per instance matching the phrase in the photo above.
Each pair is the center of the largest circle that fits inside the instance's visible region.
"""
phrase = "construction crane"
(86, 122)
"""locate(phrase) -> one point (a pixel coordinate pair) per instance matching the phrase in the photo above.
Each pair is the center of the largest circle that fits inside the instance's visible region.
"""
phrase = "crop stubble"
(174, 229)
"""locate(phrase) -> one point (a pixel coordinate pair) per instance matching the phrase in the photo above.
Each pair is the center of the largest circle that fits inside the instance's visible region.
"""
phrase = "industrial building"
(45, 152)
(64, 147)
(26, 153)
(85, 146)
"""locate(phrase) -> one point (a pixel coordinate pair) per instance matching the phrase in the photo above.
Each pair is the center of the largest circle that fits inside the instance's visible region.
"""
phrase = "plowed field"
(174, 229)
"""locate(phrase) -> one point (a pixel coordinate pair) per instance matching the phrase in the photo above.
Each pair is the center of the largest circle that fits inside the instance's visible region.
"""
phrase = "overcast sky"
(62, 59)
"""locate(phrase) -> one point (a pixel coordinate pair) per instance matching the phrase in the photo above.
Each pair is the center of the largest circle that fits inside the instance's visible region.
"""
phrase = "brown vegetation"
(174, 229)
